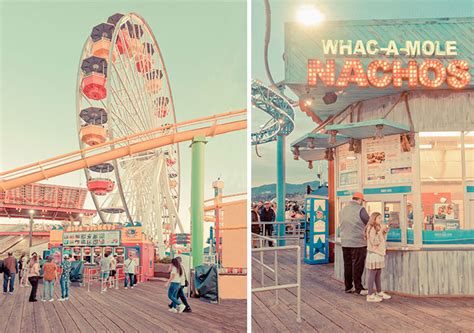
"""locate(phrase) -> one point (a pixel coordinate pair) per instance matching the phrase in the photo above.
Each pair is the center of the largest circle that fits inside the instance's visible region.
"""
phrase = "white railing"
(276, 286)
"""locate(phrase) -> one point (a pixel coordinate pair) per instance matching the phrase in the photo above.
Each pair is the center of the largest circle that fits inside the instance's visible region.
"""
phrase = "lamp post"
(32, 213)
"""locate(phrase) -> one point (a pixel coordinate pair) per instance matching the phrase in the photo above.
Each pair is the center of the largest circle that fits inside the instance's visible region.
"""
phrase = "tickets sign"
(96, 238)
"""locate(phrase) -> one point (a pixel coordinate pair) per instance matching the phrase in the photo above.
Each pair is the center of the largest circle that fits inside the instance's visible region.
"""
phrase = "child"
(174, 283)
(376, 236)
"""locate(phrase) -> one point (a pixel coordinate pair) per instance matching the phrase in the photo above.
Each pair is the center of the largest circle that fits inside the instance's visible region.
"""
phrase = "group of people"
(363, 241)
(176, 284)
(30, 270)
(108, 271)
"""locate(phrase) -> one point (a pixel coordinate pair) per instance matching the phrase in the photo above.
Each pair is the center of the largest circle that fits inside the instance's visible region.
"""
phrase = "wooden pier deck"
(141, 309)
(326, 308)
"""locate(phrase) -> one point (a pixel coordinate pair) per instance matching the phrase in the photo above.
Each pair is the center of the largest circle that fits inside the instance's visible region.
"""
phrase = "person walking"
(50, 275)
(181, 294)
(267, 214)
(129, 267)
(21, 266)
(9, 271)
(65, 278)
(255, 223)
(33, 276)
(24, 274)
(376, 236)
(113, 271)
(104, 272)
(174, 283)
(354, 218)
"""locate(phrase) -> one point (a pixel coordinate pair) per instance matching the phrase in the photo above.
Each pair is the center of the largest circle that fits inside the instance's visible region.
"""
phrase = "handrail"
(274, 270)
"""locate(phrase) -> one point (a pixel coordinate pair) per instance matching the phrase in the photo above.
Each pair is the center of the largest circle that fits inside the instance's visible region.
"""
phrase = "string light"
(438, 70)
(458, 74)
(352, 72)
(410, 73)
(327, 73)
(375, 66)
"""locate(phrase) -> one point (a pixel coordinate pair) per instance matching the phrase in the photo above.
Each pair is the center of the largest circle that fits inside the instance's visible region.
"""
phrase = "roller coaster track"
(125, 146)
(278, 107)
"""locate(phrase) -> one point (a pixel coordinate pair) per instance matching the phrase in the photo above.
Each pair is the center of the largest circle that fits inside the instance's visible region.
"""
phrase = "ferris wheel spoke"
(138, 90)
(115, 95)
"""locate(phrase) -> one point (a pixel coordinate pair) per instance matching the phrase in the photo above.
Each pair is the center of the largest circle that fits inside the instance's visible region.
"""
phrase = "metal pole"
(280, 188)
(276, 276)
(31, 231)
(197, 199)
(298, 289)
(261, 263)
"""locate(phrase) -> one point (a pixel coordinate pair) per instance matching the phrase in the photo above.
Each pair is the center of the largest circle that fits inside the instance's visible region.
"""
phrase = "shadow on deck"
(326, 308)
(142, 309)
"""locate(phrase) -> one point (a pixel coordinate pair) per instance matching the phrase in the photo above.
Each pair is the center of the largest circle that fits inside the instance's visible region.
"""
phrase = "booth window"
(442, 186)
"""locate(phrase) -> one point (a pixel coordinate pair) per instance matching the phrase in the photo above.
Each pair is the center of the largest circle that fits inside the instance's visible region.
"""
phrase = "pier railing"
(258, 259)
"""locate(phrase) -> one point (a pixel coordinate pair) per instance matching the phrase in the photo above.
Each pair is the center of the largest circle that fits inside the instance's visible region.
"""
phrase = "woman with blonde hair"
(376, 235)
(33, 276)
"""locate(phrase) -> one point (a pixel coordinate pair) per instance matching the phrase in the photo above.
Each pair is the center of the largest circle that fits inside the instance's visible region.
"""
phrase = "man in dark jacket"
(10, 269)
(353, 219)
(267, 214)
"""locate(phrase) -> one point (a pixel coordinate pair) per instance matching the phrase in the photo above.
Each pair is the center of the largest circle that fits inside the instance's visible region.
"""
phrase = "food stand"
(87, 243)
(397, 123)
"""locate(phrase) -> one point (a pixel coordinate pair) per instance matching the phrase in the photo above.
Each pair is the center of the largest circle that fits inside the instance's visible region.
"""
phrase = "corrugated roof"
(303, 43)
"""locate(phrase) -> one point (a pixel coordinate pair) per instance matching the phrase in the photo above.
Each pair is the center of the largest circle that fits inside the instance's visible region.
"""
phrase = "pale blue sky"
(264, 169)
(204, 48)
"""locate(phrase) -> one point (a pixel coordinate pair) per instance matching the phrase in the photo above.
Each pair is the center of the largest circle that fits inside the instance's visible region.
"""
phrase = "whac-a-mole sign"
(382, 54)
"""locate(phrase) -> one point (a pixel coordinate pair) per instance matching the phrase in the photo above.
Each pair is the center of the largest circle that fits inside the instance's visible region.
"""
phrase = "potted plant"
(162, 267)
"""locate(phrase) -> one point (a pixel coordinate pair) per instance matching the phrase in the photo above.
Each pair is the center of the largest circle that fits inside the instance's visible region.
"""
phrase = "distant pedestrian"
(33, 276)
(65, 279)
(376, 236)
(267, 214)
(129, 267)
(21, 268)
(50, 275)
(9, 271)
(113, 271)
(255, 223)
(104, 271)
(174, 283)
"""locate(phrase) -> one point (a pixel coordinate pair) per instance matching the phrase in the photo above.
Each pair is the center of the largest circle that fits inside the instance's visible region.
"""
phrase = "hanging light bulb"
(332, 139)
(378, 132)
(310, 165)
(296, 153)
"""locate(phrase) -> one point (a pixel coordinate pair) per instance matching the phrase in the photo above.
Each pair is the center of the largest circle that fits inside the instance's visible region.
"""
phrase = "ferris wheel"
(123, 89)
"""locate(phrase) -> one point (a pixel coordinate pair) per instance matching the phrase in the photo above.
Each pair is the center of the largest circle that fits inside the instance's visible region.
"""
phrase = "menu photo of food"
(376, 157)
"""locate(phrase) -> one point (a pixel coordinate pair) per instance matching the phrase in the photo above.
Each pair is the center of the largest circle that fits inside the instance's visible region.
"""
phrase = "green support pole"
(197, 199)
(281, 189)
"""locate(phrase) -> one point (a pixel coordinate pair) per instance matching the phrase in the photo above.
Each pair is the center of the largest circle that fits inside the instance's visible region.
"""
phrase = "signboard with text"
(94, 238)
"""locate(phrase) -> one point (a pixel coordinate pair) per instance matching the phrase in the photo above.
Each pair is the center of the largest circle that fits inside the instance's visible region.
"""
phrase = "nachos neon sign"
(427, 73)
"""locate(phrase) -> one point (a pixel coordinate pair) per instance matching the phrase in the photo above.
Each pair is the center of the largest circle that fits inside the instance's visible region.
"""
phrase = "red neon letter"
(327, 73)
(352, 72)
(458, 74)
(437, 68)
(400, 74)
(385, 79)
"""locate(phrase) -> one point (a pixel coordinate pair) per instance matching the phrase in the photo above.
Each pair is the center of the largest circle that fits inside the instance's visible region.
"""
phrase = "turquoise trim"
(344, 193)
(456, 236)
(388, 190)
(470, 189)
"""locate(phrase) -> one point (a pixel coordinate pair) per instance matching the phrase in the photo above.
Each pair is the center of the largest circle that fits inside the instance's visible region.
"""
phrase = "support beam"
(281, 188)
(197, 199)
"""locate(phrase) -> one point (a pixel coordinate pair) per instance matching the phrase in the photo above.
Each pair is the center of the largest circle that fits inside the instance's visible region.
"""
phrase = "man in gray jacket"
(353, 218)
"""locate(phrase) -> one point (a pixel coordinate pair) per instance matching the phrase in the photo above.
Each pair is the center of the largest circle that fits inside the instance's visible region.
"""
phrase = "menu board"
(101, 238)
(347, 166)
(385, 161)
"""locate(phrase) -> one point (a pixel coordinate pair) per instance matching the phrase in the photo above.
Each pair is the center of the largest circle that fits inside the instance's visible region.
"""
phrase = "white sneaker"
(125, 288)
(173, 310)
(104, 290)
(66, 299)
(61, 299)
(383, 295)
(51, 300)
(363, 292)
(131, 287)
(43, 300)
(181, 308)
(373, 298)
